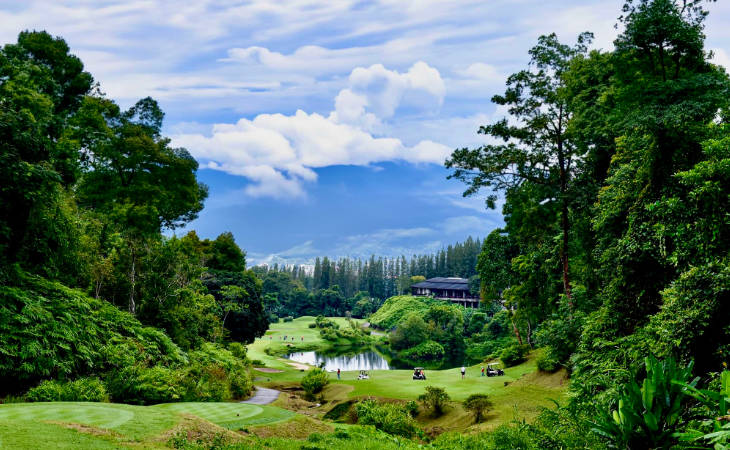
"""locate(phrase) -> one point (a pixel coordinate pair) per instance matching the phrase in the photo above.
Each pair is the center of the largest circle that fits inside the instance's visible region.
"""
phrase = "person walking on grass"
(482, 370)
(338, 373)
(463, 372)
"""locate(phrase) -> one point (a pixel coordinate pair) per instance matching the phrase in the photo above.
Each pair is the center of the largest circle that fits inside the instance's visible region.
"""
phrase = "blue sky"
(321, 126)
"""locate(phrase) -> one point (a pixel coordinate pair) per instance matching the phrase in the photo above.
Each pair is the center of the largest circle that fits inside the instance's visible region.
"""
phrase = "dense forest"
(91, 291)
(614, 167)
(335, 287)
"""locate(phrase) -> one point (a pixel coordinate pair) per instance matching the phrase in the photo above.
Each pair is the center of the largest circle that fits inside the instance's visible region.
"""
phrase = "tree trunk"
(132, 305)
(564, 220)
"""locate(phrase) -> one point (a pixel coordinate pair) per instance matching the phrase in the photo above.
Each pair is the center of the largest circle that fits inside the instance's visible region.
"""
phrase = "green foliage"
(546, 363)
(715, 420)
(391, 418)
(691, 322)
(224, 254)
(427, 350)
(314, 381)
(237, 350)
(514, 354)
(397, 308)
(80, 390)
(412, 408)
(479, 405)
(290, 318)
(412, 331)
(435, 399)
(323, 322)
(649, 409)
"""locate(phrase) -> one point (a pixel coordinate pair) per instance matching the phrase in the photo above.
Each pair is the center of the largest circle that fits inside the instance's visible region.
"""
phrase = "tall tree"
(536, 147)
(133, 176)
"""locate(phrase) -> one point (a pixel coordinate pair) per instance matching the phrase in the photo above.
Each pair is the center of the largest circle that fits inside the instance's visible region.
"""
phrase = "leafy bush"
(717, 404)
(478, 404)
(312, 325)
(412, 408)
(323, 322)
(428, 350)
(288, 319)
(649, 409)
(514, 354)
(412, 331)
(435, 398)
(81, 390)
(50, 331)
(314, 381)
(391, 418)
(546, 363)
(237, 349)
(395, 309)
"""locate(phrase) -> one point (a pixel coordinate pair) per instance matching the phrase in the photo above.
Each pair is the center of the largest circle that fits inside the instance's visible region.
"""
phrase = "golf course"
(521, 392)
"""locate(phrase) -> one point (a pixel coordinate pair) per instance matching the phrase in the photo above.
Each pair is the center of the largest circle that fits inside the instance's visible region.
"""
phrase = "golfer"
(463, 372)
(338, 373)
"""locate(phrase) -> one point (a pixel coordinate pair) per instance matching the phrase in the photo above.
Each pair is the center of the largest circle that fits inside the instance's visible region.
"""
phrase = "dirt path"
(263, 396)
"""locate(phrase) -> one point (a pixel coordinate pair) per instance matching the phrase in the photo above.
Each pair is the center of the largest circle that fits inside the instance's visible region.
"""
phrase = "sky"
(321, 126)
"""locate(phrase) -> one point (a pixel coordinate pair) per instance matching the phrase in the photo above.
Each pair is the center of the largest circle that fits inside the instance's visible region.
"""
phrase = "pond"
(369, 359)
(364, 360)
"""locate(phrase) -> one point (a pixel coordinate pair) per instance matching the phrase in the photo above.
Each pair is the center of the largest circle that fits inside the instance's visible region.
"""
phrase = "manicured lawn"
(230, 415)
(77, 425)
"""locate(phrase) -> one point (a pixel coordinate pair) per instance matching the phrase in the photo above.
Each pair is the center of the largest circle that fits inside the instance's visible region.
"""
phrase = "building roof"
(453, 283)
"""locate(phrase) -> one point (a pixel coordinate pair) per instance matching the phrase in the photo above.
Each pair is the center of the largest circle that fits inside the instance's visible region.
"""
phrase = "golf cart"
(363, 375)
(493, 370)
(418, 373)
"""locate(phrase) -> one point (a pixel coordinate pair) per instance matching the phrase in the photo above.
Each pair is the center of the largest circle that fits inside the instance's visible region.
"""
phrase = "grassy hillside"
(397, 308)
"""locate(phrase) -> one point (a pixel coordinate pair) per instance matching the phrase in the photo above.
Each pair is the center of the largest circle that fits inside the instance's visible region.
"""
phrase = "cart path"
(263, 396)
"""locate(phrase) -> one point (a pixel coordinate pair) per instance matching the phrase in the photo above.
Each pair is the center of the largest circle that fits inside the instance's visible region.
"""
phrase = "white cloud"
(721, 58)
(277, 152)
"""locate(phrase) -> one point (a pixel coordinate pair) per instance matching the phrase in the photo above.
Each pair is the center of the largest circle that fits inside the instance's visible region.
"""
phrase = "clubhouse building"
(453, 289)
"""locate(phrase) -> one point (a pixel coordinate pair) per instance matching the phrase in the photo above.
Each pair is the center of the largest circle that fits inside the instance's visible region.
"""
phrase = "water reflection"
(367, 360)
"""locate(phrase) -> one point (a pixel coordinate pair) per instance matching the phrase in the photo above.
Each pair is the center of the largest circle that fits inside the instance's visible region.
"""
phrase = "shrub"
(312, 325)
(314, 381)
(478, 404)
(412, 408)
(435, 398)
(412, 331)
(649, 410)
(388, 417)
(323, 322)
(425, 350)
(81, 390)
(546, 363)
(288, 319)
(237, 349)
(514, 354)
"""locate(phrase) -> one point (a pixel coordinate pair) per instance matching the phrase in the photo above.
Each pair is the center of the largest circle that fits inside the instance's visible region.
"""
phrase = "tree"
(246, 319)
(225, 254)
(478, 404)
(537, 148)
(133, 177)
(41, 89)
(435, 398)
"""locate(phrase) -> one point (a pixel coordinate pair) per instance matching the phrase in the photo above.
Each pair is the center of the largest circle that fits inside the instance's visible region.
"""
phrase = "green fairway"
(230, 415)
(521, 390)
(80, 425)
(297, 329)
